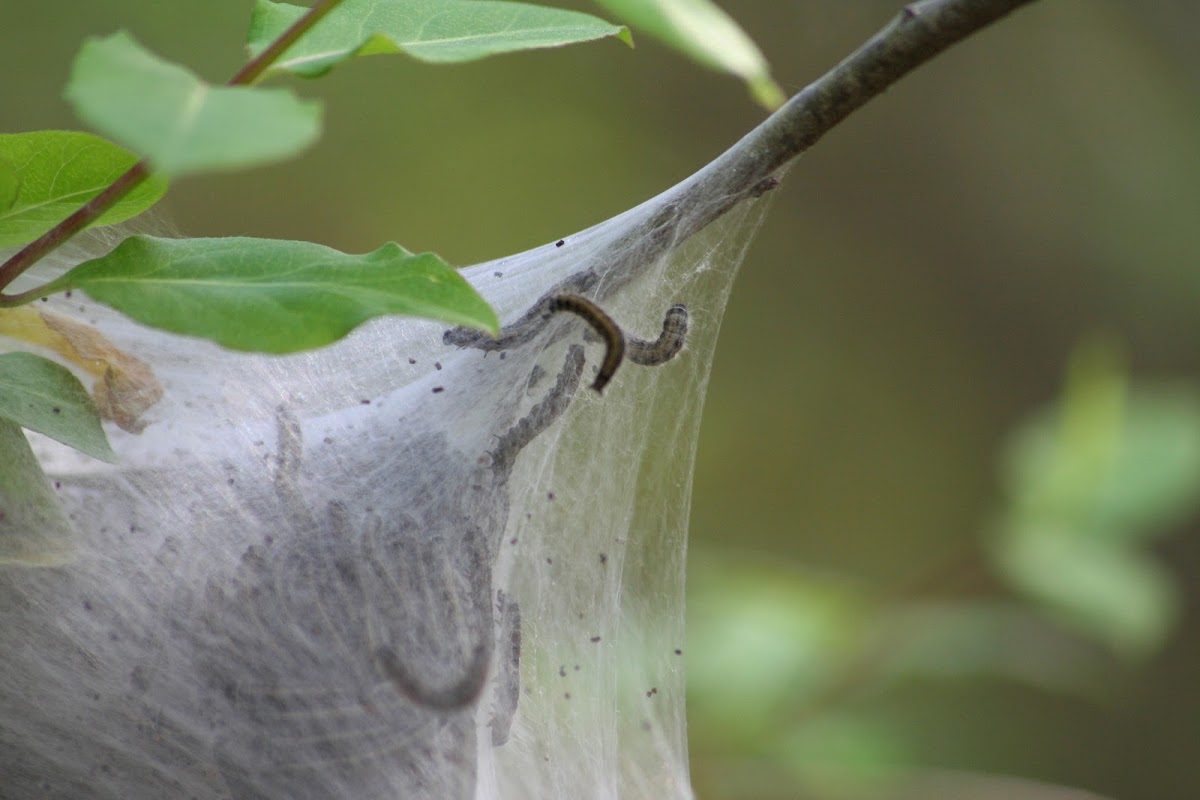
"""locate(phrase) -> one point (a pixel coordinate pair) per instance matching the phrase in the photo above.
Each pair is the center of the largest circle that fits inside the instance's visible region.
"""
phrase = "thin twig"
(90, 211)
(919, 32)
(259, 64)
(85, 215)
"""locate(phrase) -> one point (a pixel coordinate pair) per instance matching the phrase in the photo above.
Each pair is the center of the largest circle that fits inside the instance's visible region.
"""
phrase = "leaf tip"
(104, 453)
(766, 92)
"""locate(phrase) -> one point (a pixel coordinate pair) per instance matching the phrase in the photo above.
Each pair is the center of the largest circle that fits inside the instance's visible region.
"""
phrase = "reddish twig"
(90, 211)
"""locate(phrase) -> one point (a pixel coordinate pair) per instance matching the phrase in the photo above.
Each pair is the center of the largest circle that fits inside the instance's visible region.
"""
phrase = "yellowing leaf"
(125, 385)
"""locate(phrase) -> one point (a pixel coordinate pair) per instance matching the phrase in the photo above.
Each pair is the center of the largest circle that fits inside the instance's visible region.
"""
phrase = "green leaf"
(33, 528)
(46, 397)
(1113, 594)
(969, 640)
(10, 183)
(1059, 462)
(1113, 462)
(704, 32)
(179, 122)
(58, 171)
(1154, 482)
(270, 295)
(783, 632)
(842, 754)
(438, 31)
(1089, 482)
(1147, 481)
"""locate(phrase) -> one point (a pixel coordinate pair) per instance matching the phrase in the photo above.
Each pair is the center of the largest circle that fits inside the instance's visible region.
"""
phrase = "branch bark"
(919, 32)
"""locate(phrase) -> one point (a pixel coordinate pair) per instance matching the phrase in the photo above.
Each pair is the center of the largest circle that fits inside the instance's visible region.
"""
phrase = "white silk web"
(390, 568)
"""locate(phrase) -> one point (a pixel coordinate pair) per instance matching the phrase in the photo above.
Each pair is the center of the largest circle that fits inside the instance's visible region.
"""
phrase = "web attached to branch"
(390, 568)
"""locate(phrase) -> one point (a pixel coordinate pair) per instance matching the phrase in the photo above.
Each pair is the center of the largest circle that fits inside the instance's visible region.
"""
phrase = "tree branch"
(920, 32)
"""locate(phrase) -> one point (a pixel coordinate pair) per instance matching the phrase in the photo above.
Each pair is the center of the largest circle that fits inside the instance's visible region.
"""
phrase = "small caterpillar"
(649, 354)
(603, 324)
(668, 343)
(659, 351)
(444, 698)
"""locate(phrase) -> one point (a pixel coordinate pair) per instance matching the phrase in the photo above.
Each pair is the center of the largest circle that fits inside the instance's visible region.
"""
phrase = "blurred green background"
(945, 505)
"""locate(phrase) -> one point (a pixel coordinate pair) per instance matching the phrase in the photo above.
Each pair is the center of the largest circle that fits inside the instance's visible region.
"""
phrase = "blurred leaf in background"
(762, 633)
(784, 664)
(702, 31)
(766, 644)
(1090, 483)
(179, 122)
